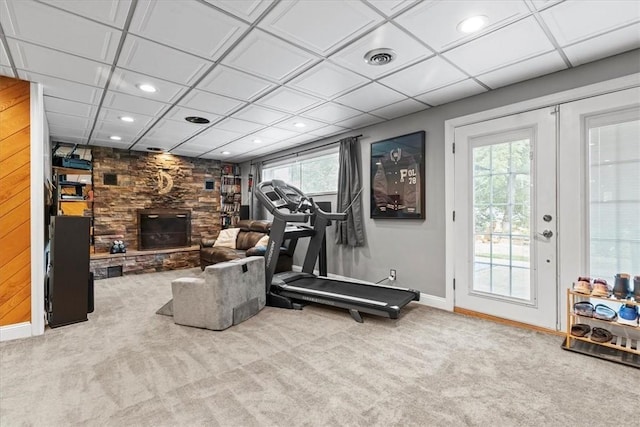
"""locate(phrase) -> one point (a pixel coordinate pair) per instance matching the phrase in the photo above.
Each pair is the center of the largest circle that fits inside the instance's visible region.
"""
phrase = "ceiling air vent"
(379, 56)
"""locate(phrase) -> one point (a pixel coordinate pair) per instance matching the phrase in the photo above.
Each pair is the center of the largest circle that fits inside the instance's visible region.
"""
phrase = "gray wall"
(416, 249)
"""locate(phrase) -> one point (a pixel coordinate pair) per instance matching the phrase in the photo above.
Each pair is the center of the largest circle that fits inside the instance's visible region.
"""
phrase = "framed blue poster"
(397, 177)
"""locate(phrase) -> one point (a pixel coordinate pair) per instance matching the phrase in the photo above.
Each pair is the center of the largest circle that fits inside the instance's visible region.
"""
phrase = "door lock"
(547, 233)
(547, 218)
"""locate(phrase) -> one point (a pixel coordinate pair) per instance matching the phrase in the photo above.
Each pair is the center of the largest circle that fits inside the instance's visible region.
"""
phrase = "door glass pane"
(501, 221)
(614, 194)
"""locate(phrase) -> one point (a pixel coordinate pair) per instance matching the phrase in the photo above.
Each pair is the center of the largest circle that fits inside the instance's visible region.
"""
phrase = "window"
(614, 189)
(313, 174)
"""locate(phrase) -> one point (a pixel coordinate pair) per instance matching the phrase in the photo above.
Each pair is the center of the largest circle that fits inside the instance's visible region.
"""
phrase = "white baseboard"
(14, 332)
(435, 302)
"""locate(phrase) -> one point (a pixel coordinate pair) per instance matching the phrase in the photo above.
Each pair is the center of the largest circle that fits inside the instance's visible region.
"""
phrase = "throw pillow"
(264, 241)
(227, 238)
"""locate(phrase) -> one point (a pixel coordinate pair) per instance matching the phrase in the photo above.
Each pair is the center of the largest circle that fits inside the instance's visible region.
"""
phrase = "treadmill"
(291, 210)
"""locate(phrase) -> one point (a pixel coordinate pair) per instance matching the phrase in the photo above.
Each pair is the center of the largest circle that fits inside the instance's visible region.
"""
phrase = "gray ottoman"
(229, 293)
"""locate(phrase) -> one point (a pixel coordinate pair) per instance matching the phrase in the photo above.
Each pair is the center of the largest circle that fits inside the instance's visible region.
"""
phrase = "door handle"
(547, 233)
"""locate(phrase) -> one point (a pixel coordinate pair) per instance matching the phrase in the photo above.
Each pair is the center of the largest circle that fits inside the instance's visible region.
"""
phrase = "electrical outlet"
(392, 274)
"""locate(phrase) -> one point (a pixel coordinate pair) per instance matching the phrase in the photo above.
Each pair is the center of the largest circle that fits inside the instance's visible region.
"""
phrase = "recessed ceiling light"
(299, 124)
(115, 138)
(146, 88)
(156, 149)
(257, 141)
(472, 24)
(127, 119)
(379, 56)
(197, 120)
(226, 153)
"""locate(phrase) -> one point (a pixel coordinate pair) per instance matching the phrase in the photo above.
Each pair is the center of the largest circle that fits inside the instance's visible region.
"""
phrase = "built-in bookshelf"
(230, 196)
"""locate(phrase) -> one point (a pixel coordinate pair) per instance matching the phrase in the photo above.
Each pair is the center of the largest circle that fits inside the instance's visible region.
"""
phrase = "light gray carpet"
(130, 366)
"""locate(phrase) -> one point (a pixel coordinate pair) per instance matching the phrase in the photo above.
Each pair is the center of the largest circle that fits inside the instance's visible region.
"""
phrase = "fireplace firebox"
(163, 228)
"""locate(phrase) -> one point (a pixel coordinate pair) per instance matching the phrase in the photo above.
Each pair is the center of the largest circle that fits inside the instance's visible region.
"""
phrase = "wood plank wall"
(15, 219)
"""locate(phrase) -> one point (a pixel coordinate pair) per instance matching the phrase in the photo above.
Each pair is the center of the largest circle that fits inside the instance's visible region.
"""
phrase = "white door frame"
(600, 88)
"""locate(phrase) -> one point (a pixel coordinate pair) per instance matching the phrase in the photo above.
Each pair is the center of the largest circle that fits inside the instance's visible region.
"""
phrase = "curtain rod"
(297, 153)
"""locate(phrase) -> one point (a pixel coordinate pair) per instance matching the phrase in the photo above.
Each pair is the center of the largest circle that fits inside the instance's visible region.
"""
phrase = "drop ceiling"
(260, 70)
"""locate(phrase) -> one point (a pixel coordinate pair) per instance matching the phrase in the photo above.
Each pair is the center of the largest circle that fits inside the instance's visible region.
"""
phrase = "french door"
(505, 218)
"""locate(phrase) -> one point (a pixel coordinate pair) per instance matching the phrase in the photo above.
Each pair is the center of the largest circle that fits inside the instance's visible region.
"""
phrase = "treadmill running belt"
(391, 296)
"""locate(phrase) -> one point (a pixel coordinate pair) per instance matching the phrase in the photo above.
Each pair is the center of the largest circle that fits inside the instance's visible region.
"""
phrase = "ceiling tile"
(47, 26)
(72, 108)
(333, 24)
(123, 130)
(64, 89)
(68, 139)
(236, 84)
(402, 108)
(331, 112)
(38, 59)
(172, 130)
(370, 97)
(407, 50)
(265, 116)
(64, 131)
(391, 7)
(427, 75)
(110, 12)
(274, 134)
(268, 57)
(521, 40)
(187, 151)
(248, 144)
(327, 80)
(249, 10)
(212, 138)
(179, 114)
(153, 142)
(140, 121)
(450, 93)
(106, 142)
(128, 81)
(124, 102)
(187, 25)
(596, 17)
(543, 64)
(327, 130)
(240, 126)
(209, 102)
(612, 43)
(435, 23)
(156, 60)
(6, 71)
(360, 121)
(309, 125)
(65, 120)
(288, 100)
(541, 4)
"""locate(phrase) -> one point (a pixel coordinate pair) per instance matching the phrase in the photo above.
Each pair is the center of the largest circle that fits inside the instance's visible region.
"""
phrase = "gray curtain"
(351, 231)
(257, 211)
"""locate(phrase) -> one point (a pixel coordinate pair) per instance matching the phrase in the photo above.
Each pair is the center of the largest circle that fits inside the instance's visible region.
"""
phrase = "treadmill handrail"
(273, 209)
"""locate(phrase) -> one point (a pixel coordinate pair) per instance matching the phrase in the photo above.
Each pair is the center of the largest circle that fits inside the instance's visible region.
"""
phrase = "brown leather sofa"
(250, 232)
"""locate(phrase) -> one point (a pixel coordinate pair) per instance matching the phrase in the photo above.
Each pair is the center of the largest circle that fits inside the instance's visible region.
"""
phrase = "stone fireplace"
(163, 228)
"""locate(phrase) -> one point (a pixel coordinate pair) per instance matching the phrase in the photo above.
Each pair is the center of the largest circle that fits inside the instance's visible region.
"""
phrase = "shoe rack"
(624, 347)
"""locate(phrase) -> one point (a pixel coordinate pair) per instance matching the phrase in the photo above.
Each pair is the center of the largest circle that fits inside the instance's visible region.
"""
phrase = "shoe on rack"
(636, 288)
(600, 335)
(583, 308)
(601, 288)
(604, 312)
(622, 287)
(628, 315)
(580, 329)
(583, 286)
